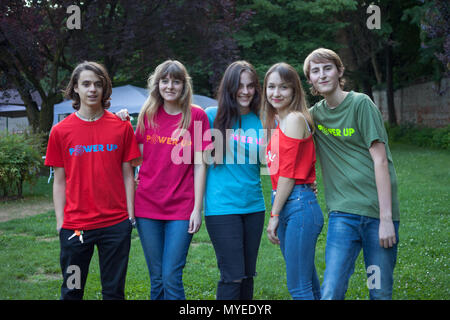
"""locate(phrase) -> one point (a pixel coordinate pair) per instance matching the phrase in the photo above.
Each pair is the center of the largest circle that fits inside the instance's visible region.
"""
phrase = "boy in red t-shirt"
(93, 189)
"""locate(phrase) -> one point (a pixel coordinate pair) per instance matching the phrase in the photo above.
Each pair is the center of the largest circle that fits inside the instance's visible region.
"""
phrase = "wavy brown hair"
(100, 71)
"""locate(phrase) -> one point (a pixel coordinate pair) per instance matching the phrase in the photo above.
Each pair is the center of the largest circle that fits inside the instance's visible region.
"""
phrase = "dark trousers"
(113, 245)
(236, 239)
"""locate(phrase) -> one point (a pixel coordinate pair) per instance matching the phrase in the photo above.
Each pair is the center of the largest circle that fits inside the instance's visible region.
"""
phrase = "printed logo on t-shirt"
(346, 132)
(155, 139)
(79, 150)
(246, 139)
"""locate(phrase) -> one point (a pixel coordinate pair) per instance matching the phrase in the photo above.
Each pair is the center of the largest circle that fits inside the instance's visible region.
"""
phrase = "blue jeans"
(300, 223)
(165, 244)
(347, 235)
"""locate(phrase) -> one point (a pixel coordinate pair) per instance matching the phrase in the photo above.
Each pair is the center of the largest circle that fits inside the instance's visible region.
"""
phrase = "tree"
(33, 40)
(289, 30)
(38, 51)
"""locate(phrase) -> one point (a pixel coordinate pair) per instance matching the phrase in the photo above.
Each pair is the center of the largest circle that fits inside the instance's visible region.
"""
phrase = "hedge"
(420, 136)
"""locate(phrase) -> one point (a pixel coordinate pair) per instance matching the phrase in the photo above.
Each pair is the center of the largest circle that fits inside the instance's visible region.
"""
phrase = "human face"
(90, 89)
(246, 90)
(278, 92)
(324, 76)
(170, 89)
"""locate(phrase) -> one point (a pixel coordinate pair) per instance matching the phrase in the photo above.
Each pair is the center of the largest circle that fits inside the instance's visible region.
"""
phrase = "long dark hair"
(228, 112)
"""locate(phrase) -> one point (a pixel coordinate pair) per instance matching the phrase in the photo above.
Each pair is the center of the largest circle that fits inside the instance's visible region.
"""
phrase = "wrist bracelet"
(273, 215)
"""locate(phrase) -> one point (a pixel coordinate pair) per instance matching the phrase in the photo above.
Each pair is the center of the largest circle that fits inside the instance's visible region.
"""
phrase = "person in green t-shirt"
(359, 180)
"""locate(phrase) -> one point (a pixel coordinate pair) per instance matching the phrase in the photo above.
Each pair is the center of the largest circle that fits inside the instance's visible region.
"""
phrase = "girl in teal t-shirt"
(234, 204)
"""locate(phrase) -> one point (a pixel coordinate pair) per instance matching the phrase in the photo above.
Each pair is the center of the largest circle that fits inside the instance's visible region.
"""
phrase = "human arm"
(59, 195)
(195, 220)
(386, 232)
(128, 180)
(284, 189)
(138, 162)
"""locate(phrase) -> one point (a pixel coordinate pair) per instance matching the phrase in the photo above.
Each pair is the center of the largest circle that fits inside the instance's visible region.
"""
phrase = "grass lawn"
(29, 256)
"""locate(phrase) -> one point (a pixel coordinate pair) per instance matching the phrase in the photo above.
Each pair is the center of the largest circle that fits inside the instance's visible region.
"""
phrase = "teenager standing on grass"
(172, 135)
(93, 189)
(234, 204)
(359, 179)
(296, 219)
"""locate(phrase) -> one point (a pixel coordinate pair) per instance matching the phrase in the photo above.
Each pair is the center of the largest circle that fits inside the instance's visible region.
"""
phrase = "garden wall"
(424, 104)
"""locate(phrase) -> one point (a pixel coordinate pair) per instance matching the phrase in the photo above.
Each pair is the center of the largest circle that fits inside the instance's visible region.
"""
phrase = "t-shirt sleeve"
(131, 149)
(370, 123)
(54, 156)
(202, 142)
(294, 158)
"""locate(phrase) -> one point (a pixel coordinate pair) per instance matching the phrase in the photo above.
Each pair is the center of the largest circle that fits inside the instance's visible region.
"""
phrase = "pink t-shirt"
(166, 177)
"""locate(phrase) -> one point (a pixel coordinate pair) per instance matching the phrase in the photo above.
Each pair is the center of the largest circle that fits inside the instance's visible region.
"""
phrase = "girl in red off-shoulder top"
(296, 218)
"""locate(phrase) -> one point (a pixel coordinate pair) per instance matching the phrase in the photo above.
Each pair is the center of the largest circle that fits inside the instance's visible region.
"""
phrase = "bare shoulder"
(296, 126)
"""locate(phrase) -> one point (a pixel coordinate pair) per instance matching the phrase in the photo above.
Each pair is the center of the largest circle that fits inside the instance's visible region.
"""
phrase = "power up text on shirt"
(346, 132)
(79, 150)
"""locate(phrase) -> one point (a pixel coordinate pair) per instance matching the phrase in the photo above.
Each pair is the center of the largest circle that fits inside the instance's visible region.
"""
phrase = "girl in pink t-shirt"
(172, 134)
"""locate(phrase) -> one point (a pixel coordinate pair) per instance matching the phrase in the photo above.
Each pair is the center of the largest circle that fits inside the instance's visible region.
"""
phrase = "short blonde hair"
(319, 56)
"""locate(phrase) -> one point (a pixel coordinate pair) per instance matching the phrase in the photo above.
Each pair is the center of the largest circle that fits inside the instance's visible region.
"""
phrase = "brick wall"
(420, 104)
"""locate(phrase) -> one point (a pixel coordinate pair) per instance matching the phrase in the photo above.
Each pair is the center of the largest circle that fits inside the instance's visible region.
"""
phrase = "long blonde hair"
(289, 75)
(175, 70)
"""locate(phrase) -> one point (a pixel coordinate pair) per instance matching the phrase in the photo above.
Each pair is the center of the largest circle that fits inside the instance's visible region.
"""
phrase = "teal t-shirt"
(234, 187)
(343, 137)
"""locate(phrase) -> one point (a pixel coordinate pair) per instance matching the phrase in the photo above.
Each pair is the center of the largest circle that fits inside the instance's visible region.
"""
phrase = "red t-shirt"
(92, 154)
(166, 177)
(291, 158)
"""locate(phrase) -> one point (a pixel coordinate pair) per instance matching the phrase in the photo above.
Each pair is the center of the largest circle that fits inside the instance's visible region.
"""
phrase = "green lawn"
(29, 256)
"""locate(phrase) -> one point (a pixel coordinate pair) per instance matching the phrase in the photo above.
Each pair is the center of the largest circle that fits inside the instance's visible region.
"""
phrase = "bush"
(420, 136)
(20, 160)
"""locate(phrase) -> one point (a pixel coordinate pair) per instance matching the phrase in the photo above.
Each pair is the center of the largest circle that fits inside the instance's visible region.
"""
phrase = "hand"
(272, 230)
(386, 234)
(58, 227)
(136, 183)
(123, 115)
(195, 221)
(314, 187)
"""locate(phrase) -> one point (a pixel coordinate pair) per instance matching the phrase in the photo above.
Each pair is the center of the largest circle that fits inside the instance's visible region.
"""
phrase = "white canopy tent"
(129, 97)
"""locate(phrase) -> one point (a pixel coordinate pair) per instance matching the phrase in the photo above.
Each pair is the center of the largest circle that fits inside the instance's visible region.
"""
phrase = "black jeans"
(236, 239)
(113, 244)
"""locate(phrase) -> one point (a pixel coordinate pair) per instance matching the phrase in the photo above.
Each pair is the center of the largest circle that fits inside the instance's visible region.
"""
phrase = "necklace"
(90, 119)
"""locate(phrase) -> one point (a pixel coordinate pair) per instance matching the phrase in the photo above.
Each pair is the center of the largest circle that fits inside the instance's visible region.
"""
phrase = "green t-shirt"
(343, 138)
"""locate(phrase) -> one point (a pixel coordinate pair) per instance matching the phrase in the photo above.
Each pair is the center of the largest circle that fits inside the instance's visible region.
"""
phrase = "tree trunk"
(390, 86)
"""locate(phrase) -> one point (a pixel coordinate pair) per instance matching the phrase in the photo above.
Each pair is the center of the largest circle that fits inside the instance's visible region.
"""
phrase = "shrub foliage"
(20, 160)
(420, 136)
